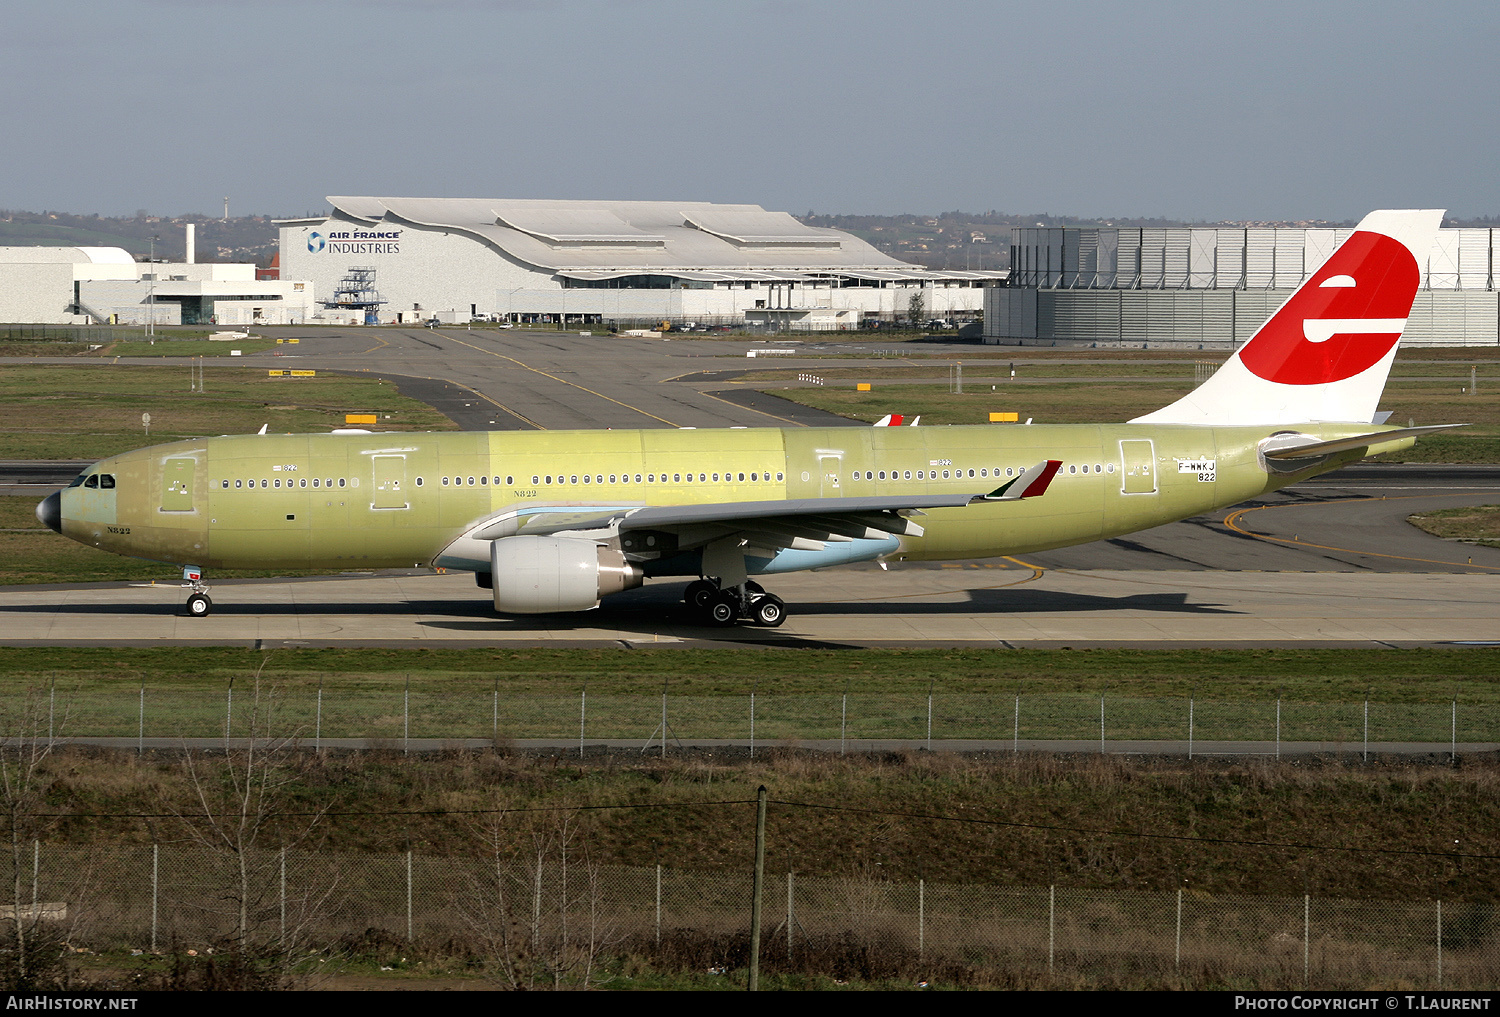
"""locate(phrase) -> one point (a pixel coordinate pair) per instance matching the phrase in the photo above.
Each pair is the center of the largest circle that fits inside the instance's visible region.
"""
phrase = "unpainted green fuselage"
(340, 501)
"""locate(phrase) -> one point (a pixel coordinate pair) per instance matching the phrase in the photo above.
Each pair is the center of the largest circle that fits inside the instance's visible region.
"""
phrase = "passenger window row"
(303, 482)
(107, 481)
(982, 473)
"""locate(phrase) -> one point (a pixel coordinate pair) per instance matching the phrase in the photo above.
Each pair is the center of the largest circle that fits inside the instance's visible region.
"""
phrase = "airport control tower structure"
(356, 292)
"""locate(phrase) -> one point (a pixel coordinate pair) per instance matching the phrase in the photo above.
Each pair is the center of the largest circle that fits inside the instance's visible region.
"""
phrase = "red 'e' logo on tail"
(1343, 320)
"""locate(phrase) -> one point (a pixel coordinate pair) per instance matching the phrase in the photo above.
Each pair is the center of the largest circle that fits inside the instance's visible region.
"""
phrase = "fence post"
(406, 719)
(1306, 928)
(1015, 731)
(1051, 926)
(843, 722)
(36, 875)
(921, 918)
(760, 871)
(1365, 757)
(752, 723)
(1101, 723)
(929, 717)
(664, 721)
(408, 895)
(658, 903)
(228, 711)
(1453, 734)
(583, 715)
(495, 714)
(1440, 943)
(51, 709)
(1278, 725)
(1177, 963)
(140, 736)
(318, 724)
(155, 869)
(1191, 698)
(791, 914)
(283, 896)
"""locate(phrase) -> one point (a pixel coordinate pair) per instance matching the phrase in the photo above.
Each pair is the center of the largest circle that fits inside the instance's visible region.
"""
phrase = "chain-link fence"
(58, 333)
(395, 714)
(147, 897)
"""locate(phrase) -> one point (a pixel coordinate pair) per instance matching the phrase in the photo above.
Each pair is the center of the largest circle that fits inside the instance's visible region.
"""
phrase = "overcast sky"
(1316, 109)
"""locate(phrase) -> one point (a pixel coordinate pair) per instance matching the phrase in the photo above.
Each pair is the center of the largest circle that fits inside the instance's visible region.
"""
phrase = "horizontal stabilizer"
(1314, 449)
(1032, 483)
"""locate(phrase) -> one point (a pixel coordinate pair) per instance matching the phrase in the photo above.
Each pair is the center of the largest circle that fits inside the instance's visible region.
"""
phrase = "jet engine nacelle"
(542, 575)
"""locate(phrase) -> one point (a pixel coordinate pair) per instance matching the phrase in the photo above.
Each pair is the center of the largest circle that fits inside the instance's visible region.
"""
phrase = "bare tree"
(240, 817)
(537, 909)
(26, 744)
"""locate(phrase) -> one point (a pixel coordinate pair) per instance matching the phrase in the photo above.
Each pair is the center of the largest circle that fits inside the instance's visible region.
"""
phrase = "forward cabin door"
(390, 482)
(177, 485)
(1138, 466)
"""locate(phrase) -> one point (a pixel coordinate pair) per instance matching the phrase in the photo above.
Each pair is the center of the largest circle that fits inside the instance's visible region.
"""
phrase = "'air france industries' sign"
(355, 242)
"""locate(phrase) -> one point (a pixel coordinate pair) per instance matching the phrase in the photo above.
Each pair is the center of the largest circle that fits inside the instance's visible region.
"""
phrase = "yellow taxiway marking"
(752, 409)
(544, 374)
(519, 416)
(1233, 522)
(379, 342)
(449, 381)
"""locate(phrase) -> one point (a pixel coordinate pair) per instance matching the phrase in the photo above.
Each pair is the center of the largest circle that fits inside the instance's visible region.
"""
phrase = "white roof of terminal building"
(641, 237)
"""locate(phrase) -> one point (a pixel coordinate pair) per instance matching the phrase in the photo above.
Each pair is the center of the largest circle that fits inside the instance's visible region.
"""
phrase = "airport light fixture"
(151, 292)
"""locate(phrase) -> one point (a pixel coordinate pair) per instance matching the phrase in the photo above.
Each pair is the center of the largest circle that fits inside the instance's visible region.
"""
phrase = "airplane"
(555, 521)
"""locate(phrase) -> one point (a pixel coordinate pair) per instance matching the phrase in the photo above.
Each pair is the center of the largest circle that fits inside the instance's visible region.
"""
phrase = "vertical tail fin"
(1325, 355)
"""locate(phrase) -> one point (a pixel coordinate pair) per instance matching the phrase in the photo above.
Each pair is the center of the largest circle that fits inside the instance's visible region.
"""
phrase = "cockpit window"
(78, 481)
(93, 481)
(107, 481)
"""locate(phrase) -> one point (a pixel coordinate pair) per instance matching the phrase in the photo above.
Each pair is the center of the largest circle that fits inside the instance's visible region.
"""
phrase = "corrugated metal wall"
(1216, 285)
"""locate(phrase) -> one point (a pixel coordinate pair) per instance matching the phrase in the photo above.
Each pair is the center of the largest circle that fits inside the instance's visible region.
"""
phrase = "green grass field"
(93, 411)
(1471, 674)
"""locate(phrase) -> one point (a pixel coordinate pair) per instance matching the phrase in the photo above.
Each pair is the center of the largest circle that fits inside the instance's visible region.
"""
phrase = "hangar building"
(1214, 285)
(626, 261)
(79, 285)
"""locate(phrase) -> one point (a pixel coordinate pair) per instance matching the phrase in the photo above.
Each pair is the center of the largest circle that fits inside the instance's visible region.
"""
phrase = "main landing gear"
(198, 604)
(726, 606)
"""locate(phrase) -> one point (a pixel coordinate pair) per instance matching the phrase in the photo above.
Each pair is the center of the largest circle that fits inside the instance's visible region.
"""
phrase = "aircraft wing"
(799, 523)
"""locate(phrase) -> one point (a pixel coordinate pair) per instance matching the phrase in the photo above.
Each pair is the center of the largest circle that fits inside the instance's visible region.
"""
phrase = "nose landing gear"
(198, 603)
(728, 605)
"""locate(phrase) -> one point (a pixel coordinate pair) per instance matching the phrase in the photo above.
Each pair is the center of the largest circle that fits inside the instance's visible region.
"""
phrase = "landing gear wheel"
(754, 588)
(725, 610)
(769, 611)
(198, 605)
(700, 593)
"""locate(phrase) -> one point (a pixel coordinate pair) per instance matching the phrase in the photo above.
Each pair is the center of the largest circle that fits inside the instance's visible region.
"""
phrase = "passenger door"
(1138, 466)
(390, 479)
(177, 485)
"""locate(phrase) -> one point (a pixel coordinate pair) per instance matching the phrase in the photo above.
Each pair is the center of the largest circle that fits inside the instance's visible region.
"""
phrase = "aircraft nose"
(49, 511)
